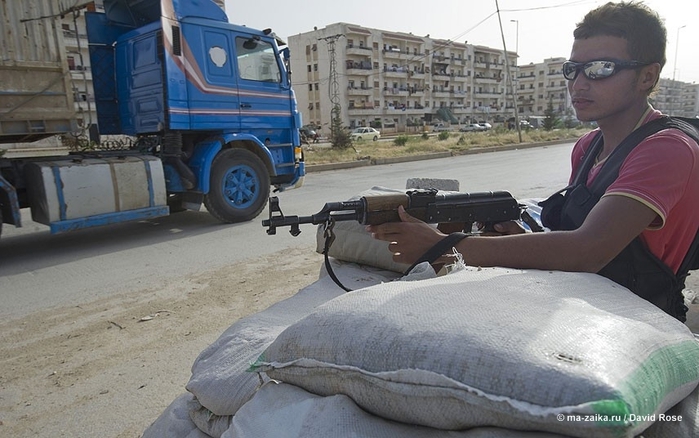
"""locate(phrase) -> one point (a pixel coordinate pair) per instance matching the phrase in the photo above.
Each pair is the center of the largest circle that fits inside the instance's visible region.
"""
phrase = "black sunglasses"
(595, 70)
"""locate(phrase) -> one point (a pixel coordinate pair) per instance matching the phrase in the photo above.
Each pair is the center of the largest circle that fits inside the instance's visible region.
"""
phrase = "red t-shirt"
(662, 172)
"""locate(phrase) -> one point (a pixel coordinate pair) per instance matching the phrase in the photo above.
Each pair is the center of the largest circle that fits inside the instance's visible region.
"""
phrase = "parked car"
(486, 125)
(365, 133)
(439, 127)
(473, 127)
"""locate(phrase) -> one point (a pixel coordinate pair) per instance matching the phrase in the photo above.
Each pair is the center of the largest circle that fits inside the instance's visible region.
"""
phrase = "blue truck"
(209, 104)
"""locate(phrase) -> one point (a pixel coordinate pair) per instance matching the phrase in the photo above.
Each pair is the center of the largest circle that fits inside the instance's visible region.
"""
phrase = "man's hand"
(409, 239)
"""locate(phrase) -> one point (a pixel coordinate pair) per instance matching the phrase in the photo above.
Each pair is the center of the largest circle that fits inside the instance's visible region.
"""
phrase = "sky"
(543, 28)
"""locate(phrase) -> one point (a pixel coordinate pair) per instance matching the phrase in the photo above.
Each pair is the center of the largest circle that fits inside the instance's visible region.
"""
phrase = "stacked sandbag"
(175, 422)
(287, 411)
(680, 421)
(352, 243)
(568, 353)
(220, 383)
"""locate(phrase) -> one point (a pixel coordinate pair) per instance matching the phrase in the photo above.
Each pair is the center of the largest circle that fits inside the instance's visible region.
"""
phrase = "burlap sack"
(569, 353)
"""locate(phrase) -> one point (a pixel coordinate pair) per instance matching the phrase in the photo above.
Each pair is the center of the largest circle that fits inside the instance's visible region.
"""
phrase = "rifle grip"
(383, 208)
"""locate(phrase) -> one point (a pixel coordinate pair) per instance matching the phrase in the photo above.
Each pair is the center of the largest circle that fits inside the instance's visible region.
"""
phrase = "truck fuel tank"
(81, 192)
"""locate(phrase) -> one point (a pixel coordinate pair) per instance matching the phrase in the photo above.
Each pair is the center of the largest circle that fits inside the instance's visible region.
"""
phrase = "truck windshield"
(257, 60)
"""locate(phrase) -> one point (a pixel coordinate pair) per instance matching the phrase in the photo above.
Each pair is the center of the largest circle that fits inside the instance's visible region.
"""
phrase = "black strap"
(328, 267)
(610, 169)
(439, 249)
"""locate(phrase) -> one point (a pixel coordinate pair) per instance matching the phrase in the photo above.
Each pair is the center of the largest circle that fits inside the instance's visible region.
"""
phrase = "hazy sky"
(545, 26)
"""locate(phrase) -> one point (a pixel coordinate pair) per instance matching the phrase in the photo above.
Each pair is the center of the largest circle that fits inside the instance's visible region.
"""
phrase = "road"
(39, 271)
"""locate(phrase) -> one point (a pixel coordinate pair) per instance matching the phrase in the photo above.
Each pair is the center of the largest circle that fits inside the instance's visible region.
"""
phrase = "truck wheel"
(239, 186)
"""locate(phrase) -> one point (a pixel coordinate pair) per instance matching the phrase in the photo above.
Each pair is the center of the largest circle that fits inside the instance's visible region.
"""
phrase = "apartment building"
(676, 98)
(541, 84)
(397, 81)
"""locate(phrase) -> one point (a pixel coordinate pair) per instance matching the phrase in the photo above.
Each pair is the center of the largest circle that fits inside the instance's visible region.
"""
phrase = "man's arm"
(611, 225)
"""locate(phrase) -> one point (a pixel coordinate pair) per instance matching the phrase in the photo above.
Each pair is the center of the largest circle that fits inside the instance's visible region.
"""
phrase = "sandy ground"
(110, 367)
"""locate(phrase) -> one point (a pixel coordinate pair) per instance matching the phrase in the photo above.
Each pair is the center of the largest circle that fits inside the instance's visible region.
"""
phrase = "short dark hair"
(639, 25)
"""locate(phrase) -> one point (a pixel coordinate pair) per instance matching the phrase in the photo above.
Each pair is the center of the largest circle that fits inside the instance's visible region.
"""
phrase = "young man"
(615, 63)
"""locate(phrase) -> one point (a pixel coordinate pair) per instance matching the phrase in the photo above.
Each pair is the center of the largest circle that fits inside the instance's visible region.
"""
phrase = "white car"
(365, 133)
(473, 127)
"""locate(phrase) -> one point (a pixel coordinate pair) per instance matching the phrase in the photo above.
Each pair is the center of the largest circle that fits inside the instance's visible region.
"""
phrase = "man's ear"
(649, 77)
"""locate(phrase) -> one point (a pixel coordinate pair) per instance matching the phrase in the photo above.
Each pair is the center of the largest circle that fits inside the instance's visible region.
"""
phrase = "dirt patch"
(110, 367)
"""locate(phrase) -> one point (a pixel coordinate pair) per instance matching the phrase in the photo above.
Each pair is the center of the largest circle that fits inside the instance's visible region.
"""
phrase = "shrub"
(443, 135)
(401, 140)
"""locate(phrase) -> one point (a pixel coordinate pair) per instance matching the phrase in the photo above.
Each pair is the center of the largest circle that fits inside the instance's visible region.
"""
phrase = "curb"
(408, 158)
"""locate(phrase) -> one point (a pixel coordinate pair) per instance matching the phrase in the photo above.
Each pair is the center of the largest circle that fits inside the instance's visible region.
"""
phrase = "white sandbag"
(219, 379)
(354, 244)
(174, 422)
(569, 353)
(680, 421)
(286, 411)
(211, 424)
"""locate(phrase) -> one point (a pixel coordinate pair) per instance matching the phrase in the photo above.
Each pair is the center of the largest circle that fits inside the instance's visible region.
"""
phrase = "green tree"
(550, 117)
(339, 137)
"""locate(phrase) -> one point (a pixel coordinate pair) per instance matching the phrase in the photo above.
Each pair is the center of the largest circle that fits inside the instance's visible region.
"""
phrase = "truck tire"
(239, 186)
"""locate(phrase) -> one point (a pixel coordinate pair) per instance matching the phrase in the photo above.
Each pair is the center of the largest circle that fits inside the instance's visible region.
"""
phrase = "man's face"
(597, 100)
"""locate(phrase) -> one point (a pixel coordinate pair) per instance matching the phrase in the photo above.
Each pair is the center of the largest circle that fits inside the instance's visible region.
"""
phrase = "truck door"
(265, 103)
(212, 79)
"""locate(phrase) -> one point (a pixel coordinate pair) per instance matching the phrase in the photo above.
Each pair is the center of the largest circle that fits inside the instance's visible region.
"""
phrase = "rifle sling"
(438, 250)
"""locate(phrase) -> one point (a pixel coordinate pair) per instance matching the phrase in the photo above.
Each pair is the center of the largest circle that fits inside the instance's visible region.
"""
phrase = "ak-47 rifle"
(430, 206)
(485, 208)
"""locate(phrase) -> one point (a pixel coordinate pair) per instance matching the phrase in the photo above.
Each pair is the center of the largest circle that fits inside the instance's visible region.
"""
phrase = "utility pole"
(509, 74)
(674, 70)
(334, 86)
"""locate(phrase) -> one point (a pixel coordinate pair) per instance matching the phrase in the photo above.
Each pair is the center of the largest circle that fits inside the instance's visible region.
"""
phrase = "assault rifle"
(487, 208)
(464, 209)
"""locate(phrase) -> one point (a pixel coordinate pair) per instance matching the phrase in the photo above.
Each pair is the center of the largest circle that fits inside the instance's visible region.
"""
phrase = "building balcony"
(394, 53)
(396, 91)
(360, 91)
(403, 109)
(366, 109)
(487, 79)
(487, 94)
(359, 50)
(359, 71)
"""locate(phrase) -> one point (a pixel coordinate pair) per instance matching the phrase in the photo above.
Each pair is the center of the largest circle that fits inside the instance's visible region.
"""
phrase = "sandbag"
(219, 379)
(354, 244)
(286, 411)
(174, 422)
(569, 353)
(680, 421)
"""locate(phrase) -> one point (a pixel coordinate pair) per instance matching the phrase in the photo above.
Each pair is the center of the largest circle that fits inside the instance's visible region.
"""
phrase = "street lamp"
(674, 68)
(517, 39)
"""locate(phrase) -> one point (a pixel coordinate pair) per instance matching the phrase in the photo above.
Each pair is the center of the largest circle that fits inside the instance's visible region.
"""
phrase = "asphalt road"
(39, 271)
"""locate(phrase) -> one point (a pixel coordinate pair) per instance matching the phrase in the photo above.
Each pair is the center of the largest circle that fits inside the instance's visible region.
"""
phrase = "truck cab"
(209, 103)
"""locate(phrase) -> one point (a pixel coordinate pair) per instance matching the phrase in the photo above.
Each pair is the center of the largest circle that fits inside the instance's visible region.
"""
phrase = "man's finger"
(405, 217)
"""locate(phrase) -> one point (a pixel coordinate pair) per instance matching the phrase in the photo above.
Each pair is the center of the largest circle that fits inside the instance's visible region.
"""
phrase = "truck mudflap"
(9, 204)
(77, 193)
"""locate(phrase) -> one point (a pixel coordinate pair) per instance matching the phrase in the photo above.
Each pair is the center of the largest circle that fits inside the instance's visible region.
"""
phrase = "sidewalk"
(378, 161)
